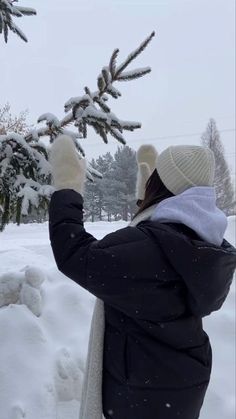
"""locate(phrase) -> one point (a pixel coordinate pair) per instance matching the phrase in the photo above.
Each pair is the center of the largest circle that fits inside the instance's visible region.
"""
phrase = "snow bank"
(44, 328)
(26, 369)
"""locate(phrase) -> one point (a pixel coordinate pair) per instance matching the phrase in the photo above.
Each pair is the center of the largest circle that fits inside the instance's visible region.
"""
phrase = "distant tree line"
(113, 196)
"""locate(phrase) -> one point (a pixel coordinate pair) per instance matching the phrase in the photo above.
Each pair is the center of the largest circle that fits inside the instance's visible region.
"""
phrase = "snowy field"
(44, 329)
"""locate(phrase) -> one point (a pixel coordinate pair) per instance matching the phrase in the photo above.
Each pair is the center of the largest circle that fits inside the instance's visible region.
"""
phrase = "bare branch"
(134, 74)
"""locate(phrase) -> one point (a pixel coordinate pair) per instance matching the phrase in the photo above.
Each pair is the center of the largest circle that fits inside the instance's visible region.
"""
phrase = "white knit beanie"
(183, 166)
(180, 167)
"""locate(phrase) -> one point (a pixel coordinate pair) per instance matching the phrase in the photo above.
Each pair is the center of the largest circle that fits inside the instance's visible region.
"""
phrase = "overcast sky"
(192, 60)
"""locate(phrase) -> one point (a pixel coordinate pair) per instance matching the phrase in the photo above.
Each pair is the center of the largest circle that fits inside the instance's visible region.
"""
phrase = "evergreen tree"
(114, 194)
(92, 198)
(112, 199)
(104, 166)
(18, 124)
(223, 182)
(24, 177)
(125, 172)
(24, 168)
(25, 172)
(8, 10)
(94, 192)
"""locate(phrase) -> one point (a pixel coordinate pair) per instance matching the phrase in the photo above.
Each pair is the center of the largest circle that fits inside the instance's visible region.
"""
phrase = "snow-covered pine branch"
(8, 10)
(134, 74)
(91, 109)
(133, 55)
(53, 128)
(26, 11)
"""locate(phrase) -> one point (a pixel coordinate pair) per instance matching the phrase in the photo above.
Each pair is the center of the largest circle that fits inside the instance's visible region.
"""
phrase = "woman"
(157, 279)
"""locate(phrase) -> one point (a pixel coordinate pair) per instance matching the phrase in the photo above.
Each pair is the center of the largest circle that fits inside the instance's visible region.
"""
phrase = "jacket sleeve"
(103, 267)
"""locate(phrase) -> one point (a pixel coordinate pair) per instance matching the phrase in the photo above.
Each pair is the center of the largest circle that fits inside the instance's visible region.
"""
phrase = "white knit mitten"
(146, 157)
(68, 170)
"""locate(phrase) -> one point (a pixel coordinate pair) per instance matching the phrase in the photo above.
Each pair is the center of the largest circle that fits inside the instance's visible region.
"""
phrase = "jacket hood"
(206, 269)
(189, 229)
(195, 208)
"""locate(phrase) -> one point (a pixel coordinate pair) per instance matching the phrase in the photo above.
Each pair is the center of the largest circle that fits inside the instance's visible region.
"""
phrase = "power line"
(183, 135)
(166, 137)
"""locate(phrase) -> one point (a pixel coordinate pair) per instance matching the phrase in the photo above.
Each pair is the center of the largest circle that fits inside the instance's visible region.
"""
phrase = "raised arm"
(103, 267)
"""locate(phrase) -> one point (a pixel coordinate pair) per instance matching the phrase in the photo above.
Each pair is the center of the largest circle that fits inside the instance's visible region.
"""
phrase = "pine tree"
(114, 194)
(94, 191)
(125, 171)
(223, 182)
(17, 191)
(8, 10)
(92, 198)
(112, 197)
(24, 177)
(25, 174)
(104, 165)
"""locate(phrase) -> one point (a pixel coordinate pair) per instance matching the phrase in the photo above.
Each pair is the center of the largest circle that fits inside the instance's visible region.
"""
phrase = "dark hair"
(155, 192)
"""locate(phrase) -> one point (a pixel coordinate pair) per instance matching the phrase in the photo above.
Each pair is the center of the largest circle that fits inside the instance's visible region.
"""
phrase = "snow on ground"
(44, 331)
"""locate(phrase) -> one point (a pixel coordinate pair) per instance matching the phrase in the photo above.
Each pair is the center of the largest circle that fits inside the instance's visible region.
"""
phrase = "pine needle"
(112, 64)
(26, 11)
(117, 135)
(17, 30)
(135, 74)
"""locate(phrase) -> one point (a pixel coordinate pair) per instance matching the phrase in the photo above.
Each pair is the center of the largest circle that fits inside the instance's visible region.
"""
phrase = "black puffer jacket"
(157, 282)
